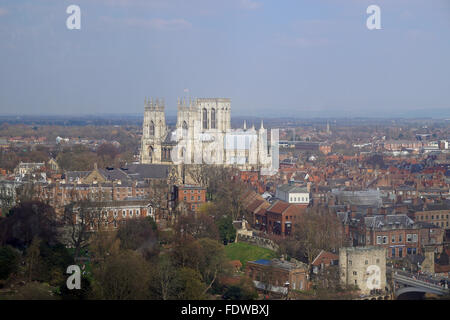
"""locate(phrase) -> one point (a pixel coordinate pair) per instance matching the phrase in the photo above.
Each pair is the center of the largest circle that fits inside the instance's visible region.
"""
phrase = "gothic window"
(205, 118)
(151, 130)
(184, 127)
(213, 118)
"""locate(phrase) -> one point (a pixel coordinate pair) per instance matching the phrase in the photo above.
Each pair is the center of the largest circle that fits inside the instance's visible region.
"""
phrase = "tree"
(7, 197)
(245, 290)
(213, 261)
(328, 279)
(27, 221)
(267, 277)
(123, 276)
(318, 229)
(227, 231)
(9, 261)
(205, 255)
(102, 245)
(164, 281)
(35, 291)
(108, 153)
(53, 263)
(32, 258)
(190, 285)
(196, 226)
(81, 219)
(230, 198)
(138, 234)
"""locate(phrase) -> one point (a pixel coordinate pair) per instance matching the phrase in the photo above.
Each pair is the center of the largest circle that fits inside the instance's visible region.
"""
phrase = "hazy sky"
(272, 58)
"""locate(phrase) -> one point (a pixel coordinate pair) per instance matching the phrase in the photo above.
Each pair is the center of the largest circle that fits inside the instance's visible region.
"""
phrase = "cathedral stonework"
(203, 135)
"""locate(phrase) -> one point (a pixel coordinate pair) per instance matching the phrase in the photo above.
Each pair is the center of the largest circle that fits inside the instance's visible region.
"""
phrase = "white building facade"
(203, 134)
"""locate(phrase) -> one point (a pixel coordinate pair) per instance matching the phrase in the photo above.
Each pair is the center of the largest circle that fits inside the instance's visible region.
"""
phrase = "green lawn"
(246, 252)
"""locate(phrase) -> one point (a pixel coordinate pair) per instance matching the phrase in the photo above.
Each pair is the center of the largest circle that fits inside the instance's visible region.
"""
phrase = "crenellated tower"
(154, 131)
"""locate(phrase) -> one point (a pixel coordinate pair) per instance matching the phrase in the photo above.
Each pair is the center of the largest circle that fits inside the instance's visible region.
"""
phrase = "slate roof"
(280, 264)
(292, 189)
(113, 174)
(397, 221)
(147, 171)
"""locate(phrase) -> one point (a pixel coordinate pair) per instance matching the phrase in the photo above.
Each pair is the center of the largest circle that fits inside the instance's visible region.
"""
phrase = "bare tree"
(318, 229)
(83, 218)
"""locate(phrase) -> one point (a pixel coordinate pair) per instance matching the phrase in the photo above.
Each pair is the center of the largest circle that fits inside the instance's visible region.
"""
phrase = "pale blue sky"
(272, 58)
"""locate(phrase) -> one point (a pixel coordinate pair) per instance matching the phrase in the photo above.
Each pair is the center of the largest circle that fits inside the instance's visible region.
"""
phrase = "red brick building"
(400, 235)
(192, 196)
(282, 216)
(278, 275)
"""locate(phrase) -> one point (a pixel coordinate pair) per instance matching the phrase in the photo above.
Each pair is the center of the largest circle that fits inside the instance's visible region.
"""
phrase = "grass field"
(246, 252)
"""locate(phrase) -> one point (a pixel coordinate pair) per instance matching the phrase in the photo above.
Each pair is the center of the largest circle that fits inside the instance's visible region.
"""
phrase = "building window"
(384, 239)
(151, 129)
(378, 260)
(400, 252)
(355, 273)
(393, 239)
(349, 262)
(205, 118)
(408, 238)
(378, 239)
(366, 262)
(393, 253)
(400, 238)
(213, 118)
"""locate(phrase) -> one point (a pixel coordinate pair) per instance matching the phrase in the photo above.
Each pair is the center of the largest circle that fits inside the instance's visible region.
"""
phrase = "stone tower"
(154, 131)
(428, 263)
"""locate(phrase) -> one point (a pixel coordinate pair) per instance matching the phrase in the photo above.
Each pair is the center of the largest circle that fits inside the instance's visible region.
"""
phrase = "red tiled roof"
(254, 205)
(324, 257)
(278, 207)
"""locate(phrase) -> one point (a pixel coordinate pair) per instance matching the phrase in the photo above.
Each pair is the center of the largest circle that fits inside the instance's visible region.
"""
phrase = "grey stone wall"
(258, 241)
